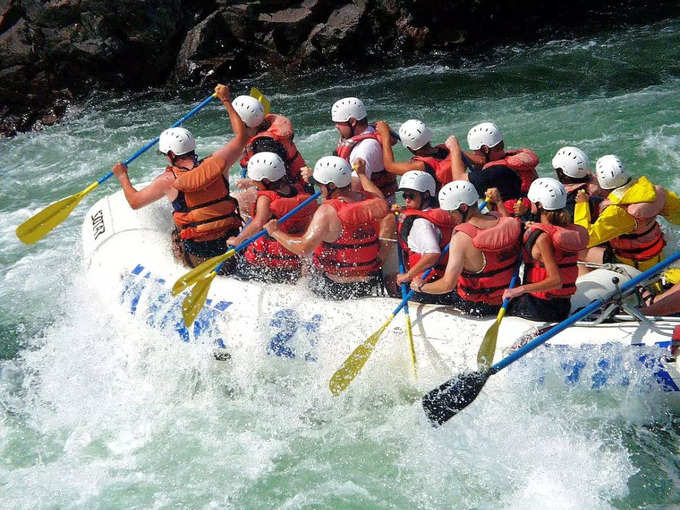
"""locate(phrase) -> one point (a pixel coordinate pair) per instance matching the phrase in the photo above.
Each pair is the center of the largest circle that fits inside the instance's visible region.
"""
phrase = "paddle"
(39, 225)
(202, 275)
(404, 291)
(457, 393)
(488, 348)
(351, 367)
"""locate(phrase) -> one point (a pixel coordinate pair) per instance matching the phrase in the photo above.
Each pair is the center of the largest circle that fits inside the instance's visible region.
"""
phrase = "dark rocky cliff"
(55, 52)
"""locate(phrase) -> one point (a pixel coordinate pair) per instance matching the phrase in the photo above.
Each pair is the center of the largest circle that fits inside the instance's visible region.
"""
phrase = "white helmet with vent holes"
(333, 169)
(486, 133)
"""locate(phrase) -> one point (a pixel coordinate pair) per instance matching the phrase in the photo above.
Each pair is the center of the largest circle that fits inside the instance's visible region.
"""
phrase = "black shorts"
(474, 308)
(326, 288)
(541, 310)
(206, 249)
(246, 271)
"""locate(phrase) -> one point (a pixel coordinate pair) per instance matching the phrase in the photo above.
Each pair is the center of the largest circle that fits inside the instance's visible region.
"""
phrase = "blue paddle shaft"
(592, 307)
(283, 218)
(402, 269)
(155, 140)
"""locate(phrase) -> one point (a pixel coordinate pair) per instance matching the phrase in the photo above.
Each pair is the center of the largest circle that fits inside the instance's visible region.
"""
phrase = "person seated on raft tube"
(359, 141)
(267, 133)
(423, 230)
(483, 255)
(488, 150)
(416, 137)
(572, 167)
(265, 258)
(628, 217)
(550, 251)
(343, 233)
(205, 214)
(664, 304)
(506, 180)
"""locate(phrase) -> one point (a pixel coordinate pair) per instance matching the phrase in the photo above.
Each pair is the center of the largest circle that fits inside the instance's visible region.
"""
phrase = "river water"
(92, 418)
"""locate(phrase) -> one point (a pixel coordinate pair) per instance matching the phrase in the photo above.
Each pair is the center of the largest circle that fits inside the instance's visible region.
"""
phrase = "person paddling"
(342, 236)
(423, 230)
(265, 258)
(483, 254)
(550, 250)
(205, 214)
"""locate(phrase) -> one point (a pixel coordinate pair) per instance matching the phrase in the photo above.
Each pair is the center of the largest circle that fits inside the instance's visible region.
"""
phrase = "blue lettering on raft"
(289, 324)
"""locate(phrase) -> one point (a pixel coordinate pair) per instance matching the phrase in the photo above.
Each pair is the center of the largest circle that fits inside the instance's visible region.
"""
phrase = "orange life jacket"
(440, 168)
(268, 252)
(355, 252)
(647, 240)
(384, 180)
(522, 161)
(500, 247)
(567, 242)
(438, 217)
(280, 129)
(203, 209)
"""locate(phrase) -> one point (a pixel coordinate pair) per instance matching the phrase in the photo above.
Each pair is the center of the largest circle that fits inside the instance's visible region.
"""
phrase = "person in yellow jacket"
(628, 217)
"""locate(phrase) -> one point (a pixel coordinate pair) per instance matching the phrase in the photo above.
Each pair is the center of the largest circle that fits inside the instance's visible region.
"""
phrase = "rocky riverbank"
(53, 53)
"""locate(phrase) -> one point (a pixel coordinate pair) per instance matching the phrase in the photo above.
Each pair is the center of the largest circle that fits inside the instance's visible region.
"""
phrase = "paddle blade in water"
(199, 272)
(443, 403)
(36, 227)
(354, 363)
(192, 304)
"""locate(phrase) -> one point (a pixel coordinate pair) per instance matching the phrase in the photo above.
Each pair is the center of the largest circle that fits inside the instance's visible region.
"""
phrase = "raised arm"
(458, 171)
(232, 150)
(393, 167)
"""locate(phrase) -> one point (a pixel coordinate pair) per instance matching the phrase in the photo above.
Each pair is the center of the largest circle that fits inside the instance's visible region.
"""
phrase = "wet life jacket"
(384, 180)
(500, 247)
(522, 161)
(268, 252)
(355, 252)
(203, 209)
(567, 242)
(438, 167)
(281, 130)
(646, 241)
(438, 217)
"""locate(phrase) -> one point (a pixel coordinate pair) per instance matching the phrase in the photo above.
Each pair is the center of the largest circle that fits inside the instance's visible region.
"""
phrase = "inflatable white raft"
(127, 254)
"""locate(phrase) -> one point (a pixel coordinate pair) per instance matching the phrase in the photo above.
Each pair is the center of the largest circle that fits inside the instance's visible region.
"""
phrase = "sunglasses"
(409, 195)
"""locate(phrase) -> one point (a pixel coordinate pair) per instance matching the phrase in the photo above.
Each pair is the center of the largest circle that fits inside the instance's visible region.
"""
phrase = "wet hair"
(267, 144)
(565, 179)
(560, 217)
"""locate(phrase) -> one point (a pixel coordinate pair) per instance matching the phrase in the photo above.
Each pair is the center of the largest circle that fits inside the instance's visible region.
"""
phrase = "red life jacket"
(268, 252)
(647, 240)
(280, 129)
(522, 161)
(355, 252)
(567, 242)
(438, 217)
(440, 167)
(500, 247)
(203, 209)
(384, 180)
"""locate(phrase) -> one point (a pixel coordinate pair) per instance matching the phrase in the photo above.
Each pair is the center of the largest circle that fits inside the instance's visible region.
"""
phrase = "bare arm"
(366, 184)
(458, 171)
(160, 187)
(393, 167)
(233, 149)
(543, 251)
(316, 232)
(262, 215)
(426, 261)
(454, 268)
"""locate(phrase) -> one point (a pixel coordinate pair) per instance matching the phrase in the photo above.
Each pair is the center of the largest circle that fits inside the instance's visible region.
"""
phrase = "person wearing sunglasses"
(423, 230)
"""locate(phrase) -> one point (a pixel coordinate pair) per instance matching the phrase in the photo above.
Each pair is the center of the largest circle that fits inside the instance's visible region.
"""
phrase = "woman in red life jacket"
(265, 258)
(550, 250)
(342, 236)
(267, 133)
(205, 214)
(486, 142)
(483, 254)
(423, 230)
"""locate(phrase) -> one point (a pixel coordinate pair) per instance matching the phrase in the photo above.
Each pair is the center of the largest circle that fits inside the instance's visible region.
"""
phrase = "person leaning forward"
(343, 233)
(205, 214)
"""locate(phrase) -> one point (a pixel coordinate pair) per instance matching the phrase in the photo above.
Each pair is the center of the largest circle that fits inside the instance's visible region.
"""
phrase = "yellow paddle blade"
(199, 272)
(354, 363)
(262, 99)
(192, 304)
(39, 225)
(409, 333)
(488, 348)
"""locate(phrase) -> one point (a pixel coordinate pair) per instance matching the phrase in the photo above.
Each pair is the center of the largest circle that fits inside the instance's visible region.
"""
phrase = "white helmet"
(414, 134)
(249, 109)
(549, 192)
(610, 172)
(333, 169)
(349, 107)
(573, 162)
(456, 193)
(419, 181)
(176, 139)
(486, 133)
(266, 165)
